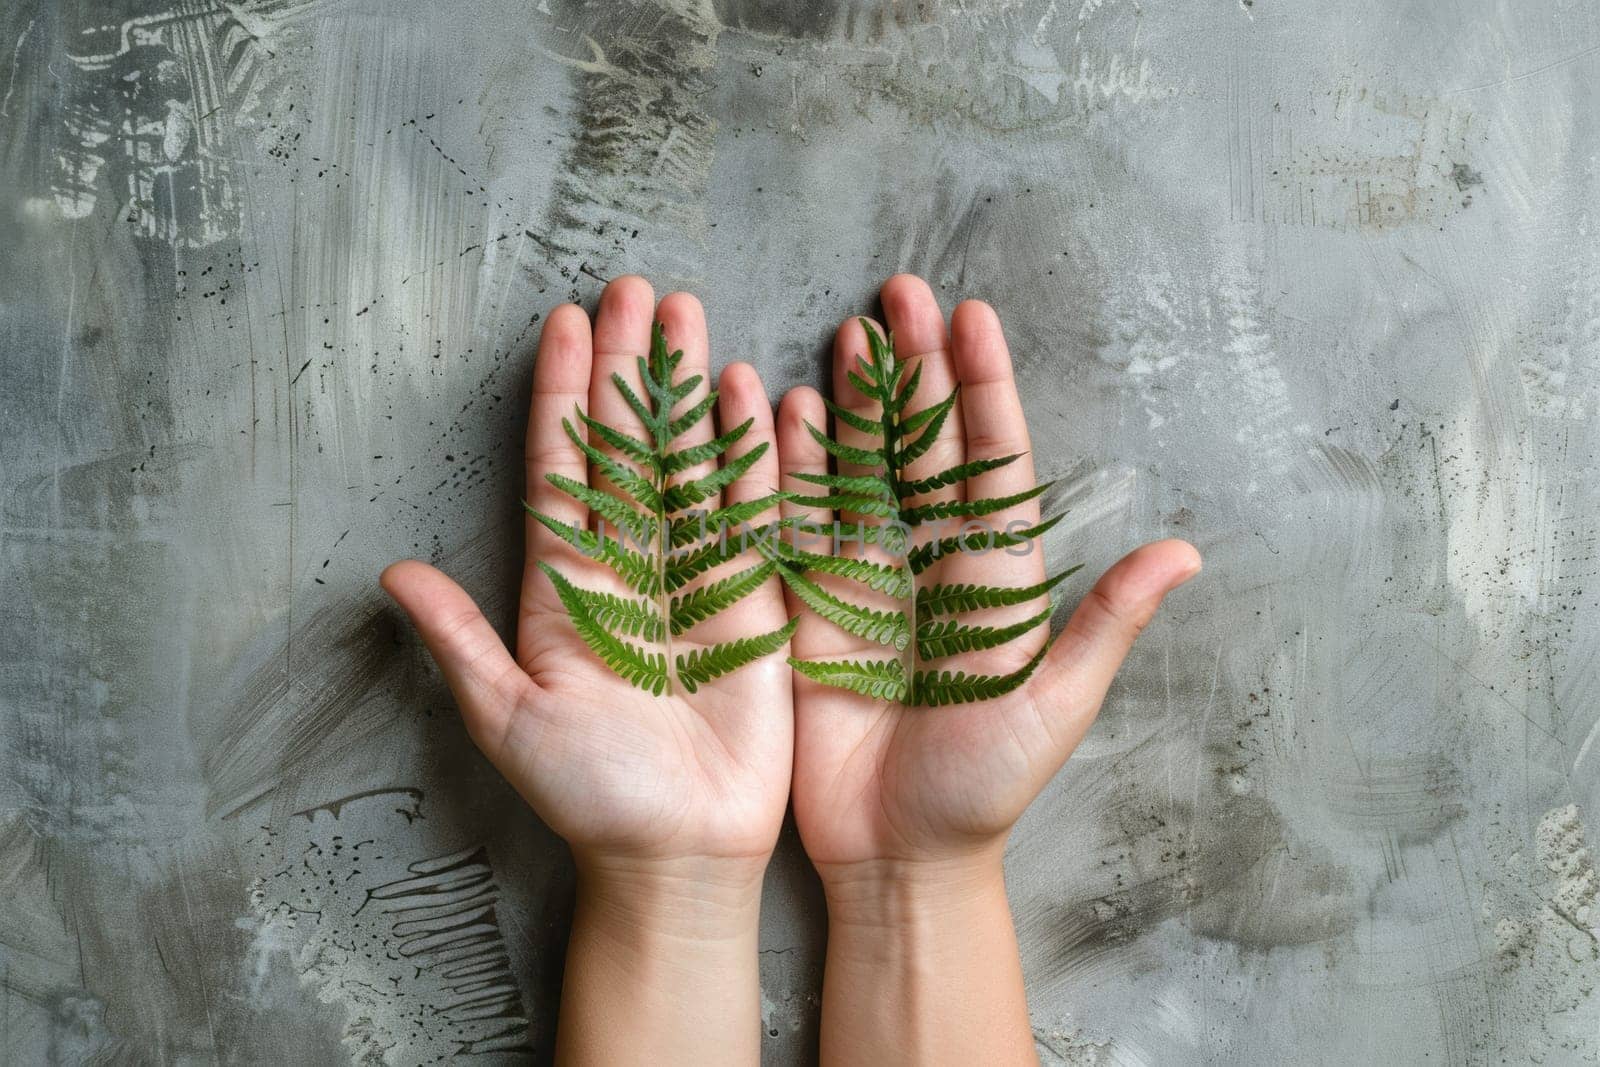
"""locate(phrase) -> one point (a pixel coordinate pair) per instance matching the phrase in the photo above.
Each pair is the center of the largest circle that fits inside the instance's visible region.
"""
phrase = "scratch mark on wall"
(412, 948)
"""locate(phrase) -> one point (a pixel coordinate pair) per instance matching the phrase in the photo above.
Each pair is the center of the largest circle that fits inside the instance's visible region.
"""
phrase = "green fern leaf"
(936, 640)
(936, 688)
(718, 596)
(959, 473)
(620, 474)
(634, 568)
(950, 599)
(641, 528)
(930, 421)
(907, 390)
(688, 494)
(640, 408)
(861, 505)
(647, 670)
(854, 421)
(684, 567)
(700, 667)
(884, 627)
(619, 614)
(861, 485)
(674, 546)
(685, 458)
(678, 426)
(699, 525)
(945, 509)
(881, 490)
(924, 556)
(844, 453)
(880, 679)
(886, 578)
(628, 445)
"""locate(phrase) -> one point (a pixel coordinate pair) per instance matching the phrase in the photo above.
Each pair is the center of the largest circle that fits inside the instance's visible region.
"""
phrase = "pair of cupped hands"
(672, 805)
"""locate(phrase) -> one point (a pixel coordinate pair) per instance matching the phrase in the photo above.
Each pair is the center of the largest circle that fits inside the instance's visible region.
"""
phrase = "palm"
(608, 763)
(610, 767)
(876, 779)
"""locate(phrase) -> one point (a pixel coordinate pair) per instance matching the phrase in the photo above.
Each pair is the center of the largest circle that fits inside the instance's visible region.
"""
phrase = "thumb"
(486, 681)
(1075, 675)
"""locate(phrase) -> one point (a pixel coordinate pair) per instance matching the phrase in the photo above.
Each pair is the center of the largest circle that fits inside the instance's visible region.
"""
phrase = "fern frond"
(700, 667)
(698, 525)
(936, 640)
(647, 670)
(634, 568)
(950, 599)
(684, 567)
(641, 528)
(640, 408)
(692, 417)
(884, 627)
(620, 474)
(881, 490)
(619, 614)
(718, 596)
(959, 473)
(935, 688)
(862, 505)
(688, 494)
(845, 453)
(861, 485)
(683, 459)
(675, 548)
(924, 556)
(930, 421)
(627, 444)
(946, 509)
(880, 679)
(886, 578)
(854, 421)
(908, 389)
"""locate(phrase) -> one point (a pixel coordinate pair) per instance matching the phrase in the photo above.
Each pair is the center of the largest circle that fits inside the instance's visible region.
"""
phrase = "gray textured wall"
(1314, 286)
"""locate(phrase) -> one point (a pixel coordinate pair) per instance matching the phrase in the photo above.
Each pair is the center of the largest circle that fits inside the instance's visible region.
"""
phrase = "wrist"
(671, 946)
(922, 963)
(903, 894)
(703, 899)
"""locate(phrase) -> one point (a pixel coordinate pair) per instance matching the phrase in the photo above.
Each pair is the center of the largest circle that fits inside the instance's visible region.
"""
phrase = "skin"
(906, 811)
(672, 805)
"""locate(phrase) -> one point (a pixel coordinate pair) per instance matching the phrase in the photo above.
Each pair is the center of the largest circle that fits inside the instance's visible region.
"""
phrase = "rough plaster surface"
(1315, 286)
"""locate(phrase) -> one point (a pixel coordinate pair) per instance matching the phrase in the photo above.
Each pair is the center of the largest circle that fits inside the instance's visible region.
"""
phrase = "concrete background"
(1315, 286)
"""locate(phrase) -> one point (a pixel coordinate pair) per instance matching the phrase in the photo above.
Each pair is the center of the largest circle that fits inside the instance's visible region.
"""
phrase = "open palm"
(617, 771)
(877, 780)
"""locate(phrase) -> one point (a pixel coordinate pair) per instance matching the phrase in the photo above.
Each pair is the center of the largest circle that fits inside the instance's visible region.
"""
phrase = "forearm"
(662, 968)
(922, 966)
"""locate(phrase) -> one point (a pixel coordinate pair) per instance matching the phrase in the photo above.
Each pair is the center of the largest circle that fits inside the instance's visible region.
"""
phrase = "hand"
(671, 805)
(905, 811)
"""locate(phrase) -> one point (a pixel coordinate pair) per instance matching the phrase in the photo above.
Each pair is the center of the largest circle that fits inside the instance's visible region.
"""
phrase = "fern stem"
(884, 362)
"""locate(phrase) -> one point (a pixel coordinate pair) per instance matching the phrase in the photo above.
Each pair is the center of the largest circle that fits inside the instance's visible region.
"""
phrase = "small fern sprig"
(925, 628)
(658, 540)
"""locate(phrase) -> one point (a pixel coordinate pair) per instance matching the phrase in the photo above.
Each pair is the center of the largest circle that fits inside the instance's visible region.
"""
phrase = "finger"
(560, 386)
(486, 681)
(621, 337)
(849, 346)
(741, 397)
(994, 426)
(799, 453)
(683, 322)
(920, 338)
(1072, 681)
